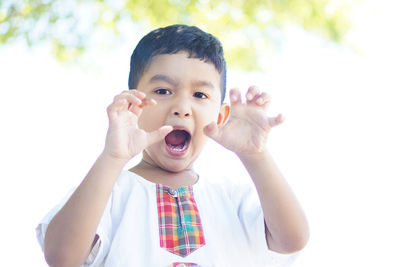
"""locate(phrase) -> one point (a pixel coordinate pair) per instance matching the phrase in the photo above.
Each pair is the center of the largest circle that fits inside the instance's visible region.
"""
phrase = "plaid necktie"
(179, 221)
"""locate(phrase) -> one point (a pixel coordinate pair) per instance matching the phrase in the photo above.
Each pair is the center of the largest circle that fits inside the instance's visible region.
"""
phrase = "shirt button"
(172, 192)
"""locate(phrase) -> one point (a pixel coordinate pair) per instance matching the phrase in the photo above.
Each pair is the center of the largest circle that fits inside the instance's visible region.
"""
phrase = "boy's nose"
(182, 110)
(182, 114)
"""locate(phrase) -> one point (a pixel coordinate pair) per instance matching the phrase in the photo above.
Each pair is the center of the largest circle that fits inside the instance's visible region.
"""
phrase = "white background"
(338, 148)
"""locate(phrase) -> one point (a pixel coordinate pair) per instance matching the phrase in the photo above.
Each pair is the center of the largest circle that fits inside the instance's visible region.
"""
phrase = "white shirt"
(231, 217)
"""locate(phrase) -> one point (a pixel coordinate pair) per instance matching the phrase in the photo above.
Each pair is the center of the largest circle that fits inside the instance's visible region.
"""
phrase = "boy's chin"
(176, 167)
(169, 165)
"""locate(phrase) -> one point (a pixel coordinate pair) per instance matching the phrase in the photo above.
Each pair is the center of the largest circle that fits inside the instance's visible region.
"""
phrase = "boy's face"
(188, 95)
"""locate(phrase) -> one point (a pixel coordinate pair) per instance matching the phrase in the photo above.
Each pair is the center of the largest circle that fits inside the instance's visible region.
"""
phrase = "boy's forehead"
(179, 68)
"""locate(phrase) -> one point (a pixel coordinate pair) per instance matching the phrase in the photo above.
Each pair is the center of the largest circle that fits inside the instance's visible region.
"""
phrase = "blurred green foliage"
(245, 27)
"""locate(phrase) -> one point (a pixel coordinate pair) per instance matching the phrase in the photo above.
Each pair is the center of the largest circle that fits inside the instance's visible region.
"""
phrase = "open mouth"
(177, 142)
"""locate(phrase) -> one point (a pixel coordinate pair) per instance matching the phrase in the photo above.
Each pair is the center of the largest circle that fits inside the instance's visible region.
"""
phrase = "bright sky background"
(338, 148)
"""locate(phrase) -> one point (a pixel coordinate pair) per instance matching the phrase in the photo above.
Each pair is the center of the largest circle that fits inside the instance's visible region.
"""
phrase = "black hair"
(174, 39)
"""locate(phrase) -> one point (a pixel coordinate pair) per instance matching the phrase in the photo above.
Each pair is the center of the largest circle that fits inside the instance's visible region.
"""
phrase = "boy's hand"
(124, 138)
(248, 127)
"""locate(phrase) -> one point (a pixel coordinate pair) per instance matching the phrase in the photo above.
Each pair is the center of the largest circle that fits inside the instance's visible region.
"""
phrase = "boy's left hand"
(248, 127)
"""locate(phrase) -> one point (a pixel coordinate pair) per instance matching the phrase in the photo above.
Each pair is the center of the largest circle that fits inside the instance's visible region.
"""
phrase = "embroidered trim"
(184, 264)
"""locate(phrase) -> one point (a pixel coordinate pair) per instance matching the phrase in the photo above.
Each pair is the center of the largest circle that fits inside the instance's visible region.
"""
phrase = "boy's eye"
(200, 95)
(163, 92)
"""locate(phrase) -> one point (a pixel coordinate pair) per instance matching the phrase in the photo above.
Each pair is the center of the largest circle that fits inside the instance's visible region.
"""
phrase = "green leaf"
(241, 25)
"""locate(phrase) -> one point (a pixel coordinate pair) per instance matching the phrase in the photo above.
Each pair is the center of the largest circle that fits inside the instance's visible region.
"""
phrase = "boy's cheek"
(147, 123)
(152, 113)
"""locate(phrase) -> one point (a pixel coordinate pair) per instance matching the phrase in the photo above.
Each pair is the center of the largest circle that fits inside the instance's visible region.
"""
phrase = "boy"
(162, 212)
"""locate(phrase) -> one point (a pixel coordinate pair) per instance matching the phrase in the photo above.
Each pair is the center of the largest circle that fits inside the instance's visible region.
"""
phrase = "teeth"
(179, 148)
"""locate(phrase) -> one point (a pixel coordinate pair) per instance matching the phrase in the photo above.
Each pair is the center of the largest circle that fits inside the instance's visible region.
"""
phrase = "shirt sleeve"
(252, 219)
(100, 248)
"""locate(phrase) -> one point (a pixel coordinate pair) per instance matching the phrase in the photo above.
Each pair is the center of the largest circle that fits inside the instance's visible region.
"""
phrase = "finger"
(117, 105)
(129, 100)
(111, 112)
(137, 110)
(114, 108)
(126, 101)
(148, 102)
(274, 121)
(132, 99)
(252, 92)
(235, 96)
(145, 102)
(159, 134)
(135, 92)
(262, 100)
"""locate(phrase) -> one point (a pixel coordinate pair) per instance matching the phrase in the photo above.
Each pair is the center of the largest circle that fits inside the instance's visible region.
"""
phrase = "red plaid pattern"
(179, 222)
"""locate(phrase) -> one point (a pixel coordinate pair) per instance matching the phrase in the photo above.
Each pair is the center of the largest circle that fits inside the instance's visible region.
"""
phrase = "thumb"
(276, 120)
(158, 135)
(212, 131)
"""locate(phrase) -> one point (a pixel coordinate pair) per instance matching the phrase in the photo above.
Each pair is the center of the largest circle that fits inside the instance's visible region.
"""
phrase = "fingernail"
(141, 93)
(151, 100)
(234, 98)
(260, 101)
(249, 96)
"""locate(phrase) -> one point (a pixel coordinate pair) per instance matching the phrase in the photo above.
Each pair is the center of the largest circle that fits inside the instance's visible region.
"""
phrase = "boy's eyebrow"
(165, 78)
(161, 77)
(201, 83)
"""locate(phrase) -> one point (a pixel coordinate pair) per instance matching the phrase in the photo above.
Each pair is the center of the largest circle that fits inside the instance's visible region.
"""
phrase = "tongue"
(175, 138)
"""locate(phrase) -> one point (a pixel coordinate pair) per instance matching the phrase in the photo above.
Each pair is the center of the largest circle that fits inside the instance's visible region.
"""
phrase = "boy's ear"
(223, 114)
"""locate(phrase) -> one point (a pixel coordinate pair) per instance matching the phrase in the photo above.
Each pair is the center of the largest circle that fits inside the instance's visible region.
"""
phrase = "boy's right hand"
(124, 138)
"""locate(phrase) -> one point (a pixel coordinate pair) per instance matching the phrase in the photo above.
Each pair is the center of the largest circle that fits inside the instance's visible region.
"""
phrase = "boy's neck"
(155, 174)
